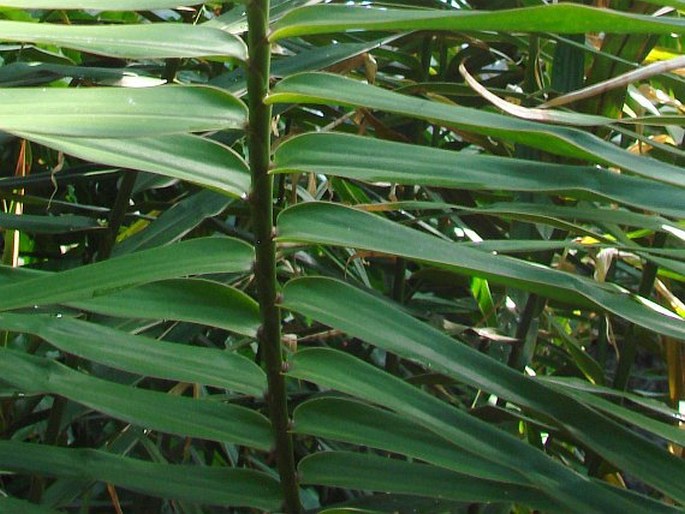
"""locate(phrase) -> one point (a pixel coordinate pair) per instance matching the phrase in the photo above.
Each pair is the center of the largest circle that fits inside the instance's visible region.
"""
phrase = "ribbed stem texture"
(261, 199)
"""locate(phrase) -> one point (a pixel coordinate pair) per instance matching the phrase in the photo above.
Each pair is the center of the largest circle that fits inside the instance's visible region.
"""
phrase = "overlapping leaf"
(196, 159)
(202, 418)
(374, 160)
(559, 18)
(144, 41)
(325, 88)
(196, 256)
(345, 373)
(376, 321)
(197, 484)
(118, 112)
(142, 355)
(326, 223)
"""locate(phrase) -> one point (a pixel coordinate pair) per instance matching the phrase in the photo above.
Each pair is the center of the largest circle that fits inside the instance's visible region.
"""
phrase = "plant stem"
(117, 214)
(631, 342)
(261, 202)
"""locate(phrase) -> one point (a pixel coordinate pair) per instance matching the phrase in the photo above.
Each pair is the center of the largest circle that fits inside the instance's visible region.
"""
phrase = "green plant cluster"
(417, 256)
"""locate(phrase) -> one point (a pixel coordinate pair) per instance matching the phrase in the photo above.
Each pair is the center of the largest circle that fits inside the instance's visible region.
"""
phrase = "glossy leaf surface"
(325, 223)
(118, 112)
(198, 256)
(325, 88)
(204, 485)
(558, 18)
(149, 41)
(202, 418)
(143, 355)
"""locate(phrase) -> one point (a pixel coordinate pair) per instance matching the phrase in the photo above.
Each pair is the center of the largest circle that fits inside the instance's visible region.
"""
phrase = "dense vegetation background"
(470, 301)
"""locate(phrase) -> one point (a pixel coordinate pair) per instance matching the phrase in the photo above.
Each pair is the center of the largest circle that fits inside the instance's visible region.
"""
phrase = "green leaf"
(324, 88)
(197, 484)
(144, 41)
(35, 224)
(380, 323)
(195, 159)
(118, 112)
(345, 373)
(663, 430)
(142, 355)
(374, 160)
(177, 221)
(557, 18)
(183, 416)
(333, 224)
(9, 505)
(375, 473)
(357, 423)
(194, 300)
(544, 213)
(195, 256)
(35, 72)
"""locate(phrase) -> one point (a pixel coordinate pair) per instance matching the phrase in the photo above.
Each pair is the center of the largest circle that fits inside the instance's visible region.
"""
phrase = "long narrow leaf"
(195, 300)
(35, 224)
(372, 472)
(332, 89)
(374, 160)
(142, 355)
(558, 18)
(365, 425)
(348, 374)
(378, 322)
(342, 226)
(145, 41)
(175, 222)
(183, 416)
(197, 484)
(118, 112)
(195, 159)
(195, 256)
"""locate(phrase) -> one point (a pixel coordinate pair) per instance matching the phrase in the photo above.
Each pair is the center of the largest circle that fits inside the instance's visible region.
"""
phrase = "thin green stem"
(629, 349)
(261, 200)
(117, 214)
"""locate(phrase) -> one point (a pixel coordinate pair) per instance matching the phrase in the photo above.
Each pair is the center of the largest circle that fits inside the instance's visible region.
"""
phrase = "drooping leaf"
(118, 112)
(194, 300)
(183, 416)
(195, 159)
(142, 355)
(378, 322)
(345, 373)
(324, 88)
(374, 160)
(197, 484)
(333, 224)
(558, 18)
(192, 257)
(143, 41)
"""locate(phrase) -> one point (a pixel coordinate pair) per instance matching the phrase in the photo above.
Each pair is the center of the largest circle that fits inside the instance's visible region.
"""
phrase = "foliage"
(348, 260)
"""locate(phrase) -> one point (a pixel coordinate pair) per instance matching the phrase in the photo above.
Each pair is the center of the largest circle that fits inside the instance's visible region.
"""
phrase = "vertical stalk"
(631, 341)
(261, 203)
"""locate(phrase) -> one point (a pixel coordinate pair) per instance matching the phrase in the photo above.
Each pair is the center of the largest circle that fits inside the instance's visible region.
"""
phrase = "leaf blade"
(204, 485)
